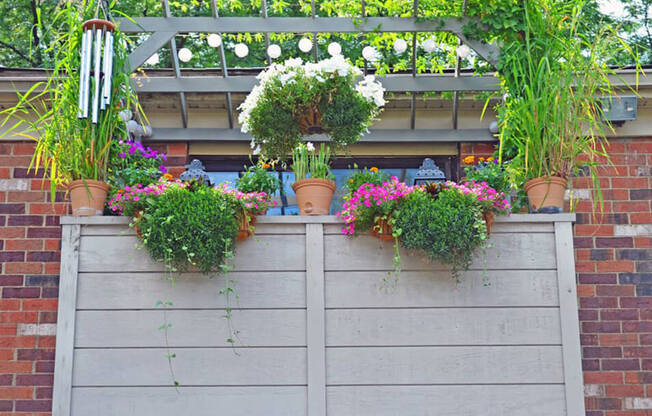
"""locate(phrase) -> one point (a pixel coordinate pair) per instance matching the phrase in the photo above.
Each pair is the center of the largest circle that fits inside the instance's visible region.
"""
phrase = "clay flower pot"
(546, 192)
(87, 197)
(489, 218)
(246, 222)
(382, 229)
(314, 196)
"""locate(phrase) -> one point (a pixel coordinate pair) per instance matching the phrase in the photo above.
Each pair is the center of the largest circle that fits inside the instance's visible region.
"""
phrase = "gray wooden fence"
(322, 329)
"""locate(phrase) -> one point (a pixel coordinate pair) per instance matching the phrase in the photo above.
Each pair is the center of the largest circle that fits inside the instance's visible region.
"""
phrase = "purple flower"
(165, 158)
(132, 150)
(163, 169)
(122, 155)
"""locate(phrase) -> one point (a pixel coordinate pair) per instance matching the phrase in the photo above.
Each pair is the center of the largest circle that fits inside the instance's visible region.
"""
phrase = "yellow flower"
(374, 169)
(490, 159)
(469, 160)
(480, 159)
(350, 180)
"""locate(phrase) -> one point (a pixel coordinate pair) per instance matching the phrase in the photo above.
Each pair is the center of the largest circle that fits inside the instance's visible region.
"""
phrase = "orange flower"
(167, 176)
(374, 169)
(480, 159)
(266, 166)
(120, 191)
(490, 159)
(469, 160)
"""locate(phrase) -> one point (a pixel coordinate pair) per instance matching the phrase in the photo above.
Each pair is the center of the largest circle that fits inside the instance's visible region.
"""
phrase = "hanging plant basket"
(310, 122)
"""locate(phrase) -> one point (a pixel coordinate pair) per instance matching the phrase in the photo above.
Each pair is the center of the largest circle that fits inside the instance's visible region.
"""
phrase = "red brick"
(618, 339)
(51, 268)
(635, 390)
(23, 149)
(17, 342)
(641, 218)
(615, 290)
(14, 196)
(53, 245)
(16, 392)
(12, 232)
(8, 329)
(585, 290)
(640, 147)
(23, 268)
(616, 194)
(177, 149)
(599, 302)
(40, 305)
(629, 182)
(12, 161)
(21, 292)
(18, 317)
(620, 364)
(642, 326)
(614, 242)
(24, 245)
(5, 173)
(631, 206)
(603, 377)
(34, 379)
(637, 352)
(602, 352)
(643, 242)
(12, 256)
(45, 366)
(47, 342)
(619, 314)
(48, 209)
(584, 267)
(44, 232)
(36, 354)
(594, 230)
(7, 280)
(594, 327)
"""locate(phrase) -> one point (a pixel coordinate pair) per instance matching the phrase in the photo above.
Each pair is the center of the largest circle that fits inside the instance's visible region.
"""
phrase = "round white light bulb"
(463, 51)
(370, 54)
(305, 45)
(429, 45)
(214, 40)
(334, 49)
(153, 60)
(185, 55)
(274, 51)
(400, 45)
(241, 50)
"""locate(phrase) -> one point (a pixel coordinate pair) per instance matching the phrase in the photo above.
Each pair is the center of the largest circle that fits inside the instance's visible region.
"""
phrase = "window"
(227, 169)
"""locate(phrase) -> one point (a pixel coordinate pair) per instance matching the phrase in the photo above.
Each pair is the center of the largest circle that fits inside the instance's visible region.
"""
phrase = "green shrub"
(256, 178)
(448, 227)
(190, 227)
(372, 175)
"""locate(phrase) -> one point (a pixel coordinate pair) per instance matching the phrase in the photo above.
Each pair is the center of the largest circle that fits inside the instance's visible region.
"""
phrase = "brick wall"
(29, 266)
(613, 258)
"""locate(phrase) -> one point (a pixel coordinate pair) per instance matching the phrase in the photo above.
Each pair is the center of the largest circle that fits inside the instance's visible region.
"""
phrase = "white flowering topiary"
(295, 99)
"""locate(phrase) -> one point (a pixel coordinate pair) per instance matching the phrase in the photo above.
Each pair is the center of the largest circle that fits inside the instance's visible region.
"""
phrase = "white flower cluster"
(372, 90)
(287, 72)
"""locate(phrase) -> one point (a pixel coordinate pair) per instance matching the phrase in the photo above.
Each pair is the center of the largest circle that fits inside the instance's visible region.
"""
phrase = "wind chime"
(96, 68)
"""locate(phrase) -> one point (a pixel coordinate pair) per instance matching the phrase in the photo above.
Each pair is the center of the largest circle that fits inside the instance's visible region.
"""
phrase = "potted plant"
(249, 205)
(293, 100)
(256, 178)
(552, 120)
(72, 151)
(314, 192)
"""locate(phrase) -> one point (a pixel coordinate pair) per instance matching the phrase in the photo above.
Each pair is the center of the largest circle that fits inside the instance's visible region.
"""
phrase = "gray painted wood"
(262, 253)
(507, 251)
(191, 401)
(489, 344)
(570, 327)
(142, 290)
(505, 400)
(190, 328)
(450, 326)
(419, 289)
(192, 367)
(316, 320)
(63, 364)
(444, 365)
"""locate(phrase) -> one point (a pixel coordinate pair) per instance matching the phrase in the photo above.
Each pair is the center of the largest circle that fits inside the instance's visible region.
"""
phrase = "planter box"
(319, 332)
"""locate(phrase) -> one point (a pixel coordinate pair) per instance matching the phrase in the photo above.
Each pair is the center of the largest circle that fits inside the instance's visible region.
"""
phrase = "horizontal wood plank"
(195, 328)
(191, 401)
(506, 251)
(498, 227)
(263, 252)
(506, 400)
(192, 367)
(143, 290)
(367, 289)
(443, 365)
(260, 228)
(405, 327)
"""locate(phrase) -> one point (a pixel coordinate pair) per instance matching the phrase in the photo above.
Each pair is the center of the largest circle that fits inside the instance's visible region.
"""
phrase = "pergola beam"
(392, 83)
(308, 24)
(374, 136)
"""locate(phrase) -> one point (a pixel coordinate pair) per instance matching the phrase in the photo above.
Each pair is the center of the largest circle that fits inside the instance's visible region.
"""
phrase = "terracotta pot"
(246, 222)
(382, 230)
(546, 192)
(314, 196)
(489, 218)
(310, 122)
(88, 197)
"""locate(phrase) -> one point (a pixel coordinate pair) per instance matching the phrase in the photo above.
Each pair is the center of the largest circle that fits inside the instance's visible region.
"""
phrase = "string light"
(241, 50)
(274, 51)
(185, 55)
(214, 40)
(305, 45)
(334, 49)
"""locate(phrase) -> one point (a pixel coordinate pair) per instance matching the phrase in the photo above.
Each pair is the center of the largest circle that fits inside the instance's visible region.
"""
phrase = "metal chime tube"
(103, 73)
(96, 90)
(82, 72)
(108, 71)
(87, 71)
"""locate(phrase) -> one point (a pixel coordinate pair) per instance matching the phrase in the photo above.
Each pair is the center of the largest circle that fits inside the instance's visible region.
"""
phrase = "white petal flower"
(256, 150)
(310, 147)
